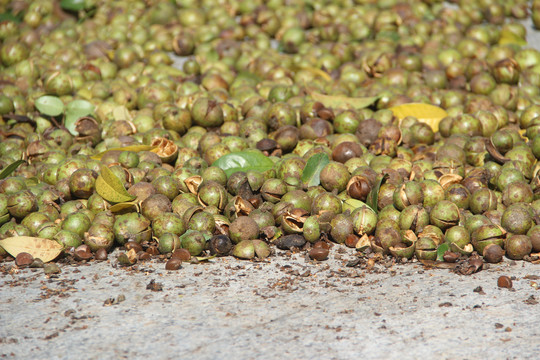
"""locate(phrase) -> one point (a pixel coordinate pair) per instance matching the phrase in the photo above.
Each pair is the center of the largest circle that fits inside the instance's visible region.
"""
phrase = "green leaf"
(10, 168)
(75, 110)
(109, 187)
(441, 250)
(8, 16)
(312, 170)
(72, 5)
(373, 196)
(244, 161)
(343, 102)
(134, 148)
(49, 105)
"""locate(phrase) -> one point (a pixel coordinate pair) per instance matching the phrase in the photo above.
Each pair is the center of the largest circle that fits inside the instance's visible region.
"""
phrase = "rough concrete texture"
(285, 307)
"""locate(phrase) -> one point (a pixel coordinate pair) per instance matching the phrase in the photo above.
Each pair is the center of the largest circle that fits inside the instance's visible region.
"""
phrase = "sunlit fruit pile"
(189, 129)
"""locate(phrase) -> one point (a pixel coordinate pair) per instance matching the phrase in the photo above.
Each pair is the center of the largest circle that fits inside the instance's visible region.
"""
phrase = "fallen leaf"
(311, 175)
(441, 250)
(244, 161)
(343, 102)
(425, 113)
(315, 71)
(49, 105)
(10, 169)
(373, 196)
(44, 249)
(109, 187)
(125, 206)
(134, 148)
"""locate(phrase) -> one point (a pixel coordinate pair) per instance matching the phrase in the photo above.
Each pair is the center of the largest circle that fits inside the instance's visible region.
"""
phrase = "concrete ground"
(285, 307)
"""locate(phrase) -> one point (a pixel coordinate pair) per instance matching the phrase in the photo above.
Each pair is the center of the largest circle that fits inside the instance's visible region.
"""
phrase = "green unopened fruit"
(518, 246)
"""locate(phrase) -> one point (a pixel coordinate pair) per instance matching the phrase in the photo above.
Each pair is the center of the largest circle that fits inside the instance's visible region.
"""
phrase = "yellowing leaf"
(44, 249)
(109, 187)
(343, 102)
(426, 113)
(315, 71)
(120, 207)
(134, 148)
(509, 38)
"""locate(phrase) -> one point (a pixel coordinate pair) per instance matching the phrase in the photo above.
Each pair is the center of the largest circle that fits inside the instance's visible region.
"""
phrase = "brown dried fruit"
(504, 282)
(318, 254)
(101, 254)
(173, 264)
(181, 254)
(24, 259)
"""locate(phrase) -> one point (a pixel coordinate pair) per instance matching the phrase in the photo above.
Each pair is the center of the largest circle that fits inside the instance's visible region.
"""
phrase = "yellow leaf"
(315, 71)
(343, 102)
(426, 113)
(509, 38)
(124, 206)
(134, 148)
(44, 249)
(109, 187)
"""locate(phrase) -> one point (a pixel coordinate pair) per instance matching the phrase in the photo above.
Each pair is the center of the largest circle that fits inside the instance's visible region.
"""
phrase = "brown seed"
(450, 257)
(322, 245)
(346, 150)
(101, 254)
(23, 259)
(318, 254)
(143, 255)
(352, 240)
(173, 264)
(83, 253)
(181, 254)
(133, 245)
(493, 253)
(504, 282)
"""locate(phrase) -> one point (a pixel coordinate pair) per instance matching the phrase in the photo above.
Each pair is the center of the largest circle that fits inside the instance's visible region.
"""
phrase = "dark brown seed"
(352, 240)
(267, 145)
(173, 264)
(181, 254)
(450, 257)
(493, 253)
(318, 254)
(504, 282)
(289, 241)
(24, 259)
(101, 254)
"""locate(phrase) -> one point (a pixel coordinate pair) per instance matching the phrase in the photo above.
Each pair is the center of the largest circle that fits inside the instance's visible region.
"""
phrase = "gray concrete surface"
(285, 308)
